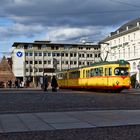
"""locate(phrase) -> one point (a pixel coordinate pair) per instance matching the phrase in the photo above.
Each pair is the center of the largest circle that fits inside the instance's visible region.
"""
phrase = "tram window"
(100, 71)
(60, 76)
(121, 71)
(75, 74)
(65, 76)
(108, 71)
(87, 73)
(96, 72)
(83, 73)
(92, 72)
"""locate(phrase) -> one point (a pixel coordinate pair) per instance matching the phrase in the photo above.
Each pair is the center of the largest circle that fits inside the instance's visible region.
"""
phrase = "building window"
(119, 54)
(134, 50)
(49, 54)
(123, 39)
(35, 53)
(45, 62)
(66, 54)
(66, 62)
(75, 55)
(30, 54)
(49, 62)
(31, 62)
(58, 54)
(80, 48)
(75, 62)
(53, 54)
(128, 52)
(26, 53)
(40, 62)
(128, 37)
(134, 66)
(124, 52)
(134, 35)
(71, 62)
(88, 48)
(26, 62)
(71, 54)
(45, 54)
(40, 70)
(30, 46)
(43, 46)
(40, 54)
(96, 55)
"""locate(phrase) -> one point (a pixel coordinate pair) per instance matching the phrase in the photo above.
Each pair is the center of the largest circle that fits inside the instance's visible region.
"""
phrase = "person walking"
(54, 84)
(46, 83)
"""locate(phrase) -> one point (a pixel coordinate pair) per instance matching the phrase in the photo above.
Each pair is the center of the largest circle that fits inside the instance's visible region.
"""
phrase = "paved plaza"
(23, 122)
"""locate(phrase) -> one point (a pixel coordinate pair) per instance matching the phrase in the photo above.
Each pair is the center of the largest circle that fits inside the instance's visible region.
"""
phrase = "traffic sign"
(19, 54)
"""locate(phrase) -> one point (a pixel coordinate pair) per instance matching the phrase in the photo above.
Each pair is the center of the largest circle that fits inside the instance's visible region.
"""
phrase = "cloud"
(19, 30)
(64, 20)
(75, 34)
(71, 12)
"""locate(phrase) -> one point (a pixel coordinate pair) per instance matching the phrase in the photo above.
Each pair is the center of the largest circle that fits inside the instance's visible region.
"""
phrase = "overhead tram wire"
(125, 3)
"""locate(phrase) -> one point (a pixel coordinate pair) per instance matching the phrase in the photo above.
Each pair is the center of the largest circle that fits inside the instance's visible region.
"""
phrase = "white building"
(31, 61)
(124, 43)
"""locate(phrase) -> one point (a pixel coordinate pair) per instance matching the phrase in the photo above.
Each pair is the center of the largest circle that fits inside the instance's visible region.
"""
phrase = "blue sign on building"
(19, 54)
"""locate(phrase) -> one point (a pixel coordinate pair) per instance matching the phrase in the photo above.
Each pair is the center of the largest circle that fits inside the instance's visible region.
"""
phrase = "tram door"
(108, 73)
(66, 79)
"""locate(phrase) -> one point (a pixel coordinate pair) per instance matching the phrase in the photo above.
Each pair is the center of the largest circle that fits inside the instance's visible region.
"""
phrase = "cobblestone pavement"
(30, 100)
(23, 100)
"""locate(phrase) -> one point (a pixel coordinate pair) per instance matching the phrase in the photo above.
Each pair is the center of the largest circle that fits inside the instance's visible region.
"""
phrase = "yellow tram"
(111, 76)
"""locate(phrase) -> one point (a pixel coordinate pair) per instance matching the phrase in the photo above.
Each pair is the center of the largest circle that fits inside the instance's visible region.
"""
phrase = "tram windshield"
(121, 71)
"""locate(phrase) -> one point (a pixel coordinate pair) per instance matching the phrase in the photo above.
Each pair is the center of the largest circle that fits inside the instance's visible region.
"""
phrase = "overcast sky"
(62, 20)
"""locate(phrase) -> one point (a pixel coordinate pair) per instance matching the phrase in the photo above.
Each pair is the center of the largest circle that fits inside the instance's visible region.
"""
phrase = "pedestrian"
(45, 83)
(10, 83)
(16, 83)
(54, 84)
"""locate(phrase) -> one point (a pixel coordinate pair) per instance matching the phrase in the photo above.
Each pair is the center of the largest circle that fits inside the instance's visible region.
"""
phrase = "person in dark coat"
(54, 84)
(45, 83)
(16, 83)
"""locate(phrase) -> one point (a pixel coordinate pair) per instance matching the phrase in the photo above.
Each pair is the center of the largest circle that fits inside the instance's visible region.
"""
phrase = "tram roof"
(121, 62)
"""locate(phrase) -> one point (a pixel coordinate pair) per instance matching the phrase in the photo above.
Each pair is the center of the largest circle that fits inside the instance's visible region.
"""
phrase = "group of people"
(54, 83)
(17, 84)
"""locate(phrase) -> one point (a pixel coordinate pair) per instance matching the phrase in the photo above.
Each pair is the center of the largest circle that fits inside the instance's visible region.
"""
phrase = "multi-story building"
(124, 43)
(31, 61)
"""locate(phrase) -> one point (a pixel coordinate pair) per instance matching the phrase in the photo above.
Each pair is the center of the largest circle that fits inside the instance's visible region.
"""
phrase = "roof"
(131, 25)
(50, 43)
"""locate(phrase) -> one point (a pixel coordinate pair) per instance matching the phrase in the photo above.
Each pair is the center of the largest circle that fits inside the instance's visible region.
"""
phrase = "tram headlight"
(117, 82)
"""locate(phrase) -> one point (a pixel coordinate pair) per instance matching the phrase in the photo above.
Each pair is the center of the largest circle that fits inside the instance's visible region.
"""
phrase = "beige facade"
(40, 57)
(124, 43)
